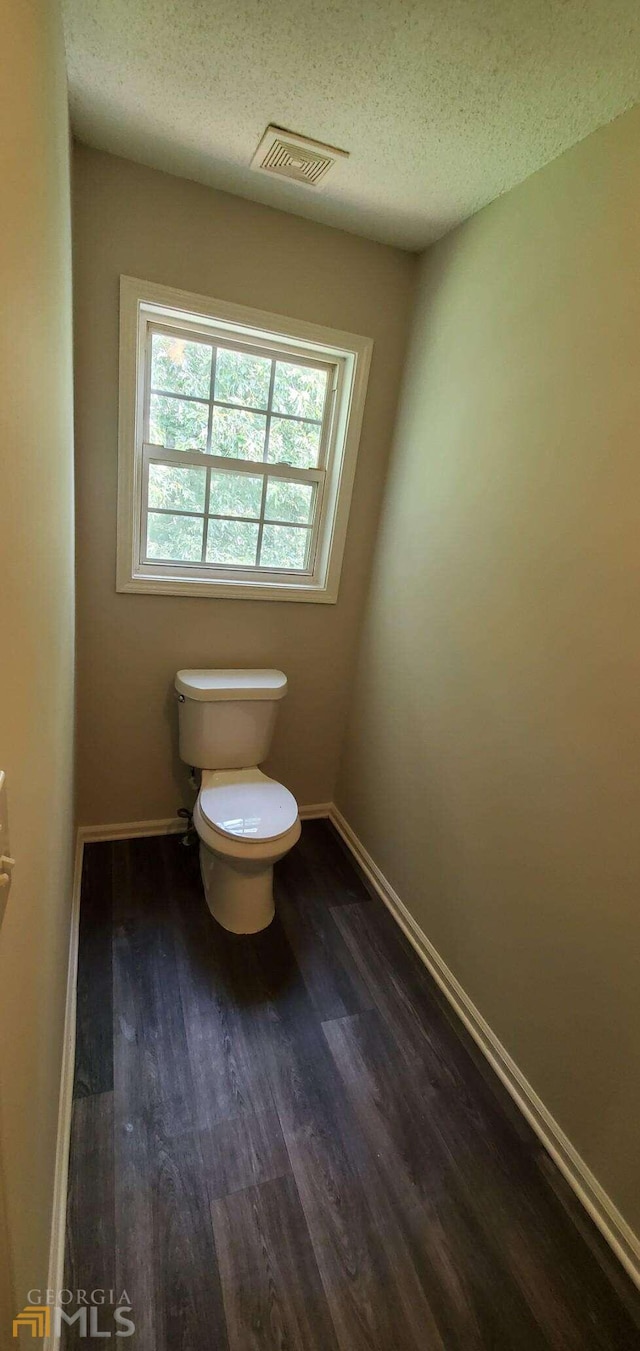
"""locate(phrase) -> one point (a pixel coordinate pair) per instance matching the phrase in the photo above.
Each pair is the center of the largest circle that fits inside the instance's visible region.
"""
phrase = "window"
(238, 438)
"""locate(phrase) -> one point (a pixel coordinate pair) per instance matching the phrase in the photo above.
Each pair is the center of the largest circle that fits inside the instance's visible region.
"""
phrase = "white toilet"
(246, 821)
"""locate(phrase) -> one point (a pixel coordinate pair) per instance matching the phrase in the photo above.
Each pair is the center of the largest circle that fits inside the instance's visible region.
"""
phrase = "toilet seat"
(246, 806)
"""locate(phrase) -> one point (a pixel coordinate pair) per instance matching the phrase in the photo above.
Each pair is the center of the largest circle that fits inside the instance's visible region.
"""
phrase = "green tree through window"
(210, 399)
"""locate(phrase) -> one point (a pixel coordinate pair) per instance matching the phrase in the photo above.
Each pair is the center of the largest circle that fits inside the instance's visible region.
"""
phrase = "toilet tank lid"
(208, 686)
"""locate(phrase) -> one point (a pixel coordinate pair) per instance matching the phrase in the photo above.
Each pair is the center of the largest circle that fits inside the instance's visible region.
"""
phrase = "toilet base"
(239, 895)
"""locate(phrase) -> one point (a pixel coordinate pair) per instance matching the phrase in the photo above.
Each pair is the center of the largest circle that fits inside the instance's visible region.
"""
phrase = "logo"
(98, 1313)
(34, 1316)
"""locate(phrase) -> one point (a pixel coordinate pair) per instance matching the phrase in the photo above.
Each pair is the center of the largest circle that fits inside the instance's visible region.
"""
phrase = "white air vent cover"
(291, 156)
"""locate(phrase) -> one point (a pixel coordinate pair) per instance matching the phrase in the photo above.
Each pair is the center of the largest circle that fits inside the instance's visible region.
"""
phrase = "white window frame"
(144, 304)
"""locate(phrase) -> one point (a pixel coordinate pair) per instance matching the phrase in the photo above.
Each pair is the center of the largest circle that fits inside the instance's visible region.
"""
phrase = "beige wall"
(129, 219)
(36, 667)
(492, 765)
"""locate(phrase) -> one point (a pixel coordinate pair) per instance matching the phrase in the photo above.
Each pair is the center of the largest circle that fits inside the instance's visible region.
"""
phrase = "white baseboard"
(316, 811)
(131, 830)
(601, 1208)
(55, 1280)
(170, 825)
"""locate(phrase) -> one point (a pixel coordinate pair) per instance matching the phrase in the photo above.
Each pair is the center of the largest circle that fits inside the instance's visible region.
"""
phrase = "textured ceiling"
(443, 104)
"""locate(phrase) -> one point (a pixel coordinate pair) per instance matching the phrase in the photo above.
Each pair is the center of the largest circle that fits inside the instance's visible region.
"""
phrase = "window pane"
(299, 390)
(288, 501)
(284, 546)
(178, 424)
(171, 486)
(242, 378)
(296, 443)
(174, 538)
(179, 366)
(235, 494)
(232, 542)
(240, 435)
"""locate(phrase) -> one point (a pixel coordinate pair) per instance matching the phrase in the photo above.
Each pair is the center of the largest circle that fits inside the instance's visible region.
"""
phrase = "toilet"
(245, 820)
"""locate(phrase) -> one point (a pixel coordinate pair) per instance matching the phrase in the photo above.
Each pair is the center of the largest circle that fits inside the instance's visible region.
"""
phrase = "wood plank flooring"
(288, 1143)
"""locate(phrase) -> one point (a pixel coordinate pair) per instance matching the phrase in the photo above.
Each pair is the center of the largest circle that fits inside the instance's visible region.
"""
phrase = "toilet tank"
(226, 718)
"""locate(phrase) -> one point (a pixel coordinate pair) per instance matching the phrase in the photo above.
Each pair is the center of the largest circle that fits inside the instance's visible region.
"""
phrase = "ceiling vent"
(291, 156)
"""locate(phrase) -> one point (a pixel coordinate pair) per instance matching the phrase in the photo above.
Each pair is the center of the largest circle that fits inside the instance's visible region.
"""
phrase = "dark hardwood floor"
(288, 1141)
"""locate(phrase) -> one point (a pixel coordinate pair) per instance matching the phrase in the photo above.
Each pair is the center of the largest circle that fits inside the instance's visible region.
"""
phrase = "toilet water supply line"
(190, 835)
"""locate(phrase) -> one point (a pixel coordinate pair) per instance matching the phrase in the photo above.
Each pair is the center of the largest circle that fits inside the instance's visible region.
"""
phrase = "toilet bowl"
(246, 823)
(245, 820)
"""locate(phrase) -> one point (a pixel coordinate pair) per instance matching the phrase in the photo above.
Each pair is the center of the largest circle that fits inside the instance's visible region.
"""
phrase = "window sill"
(228, 590)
